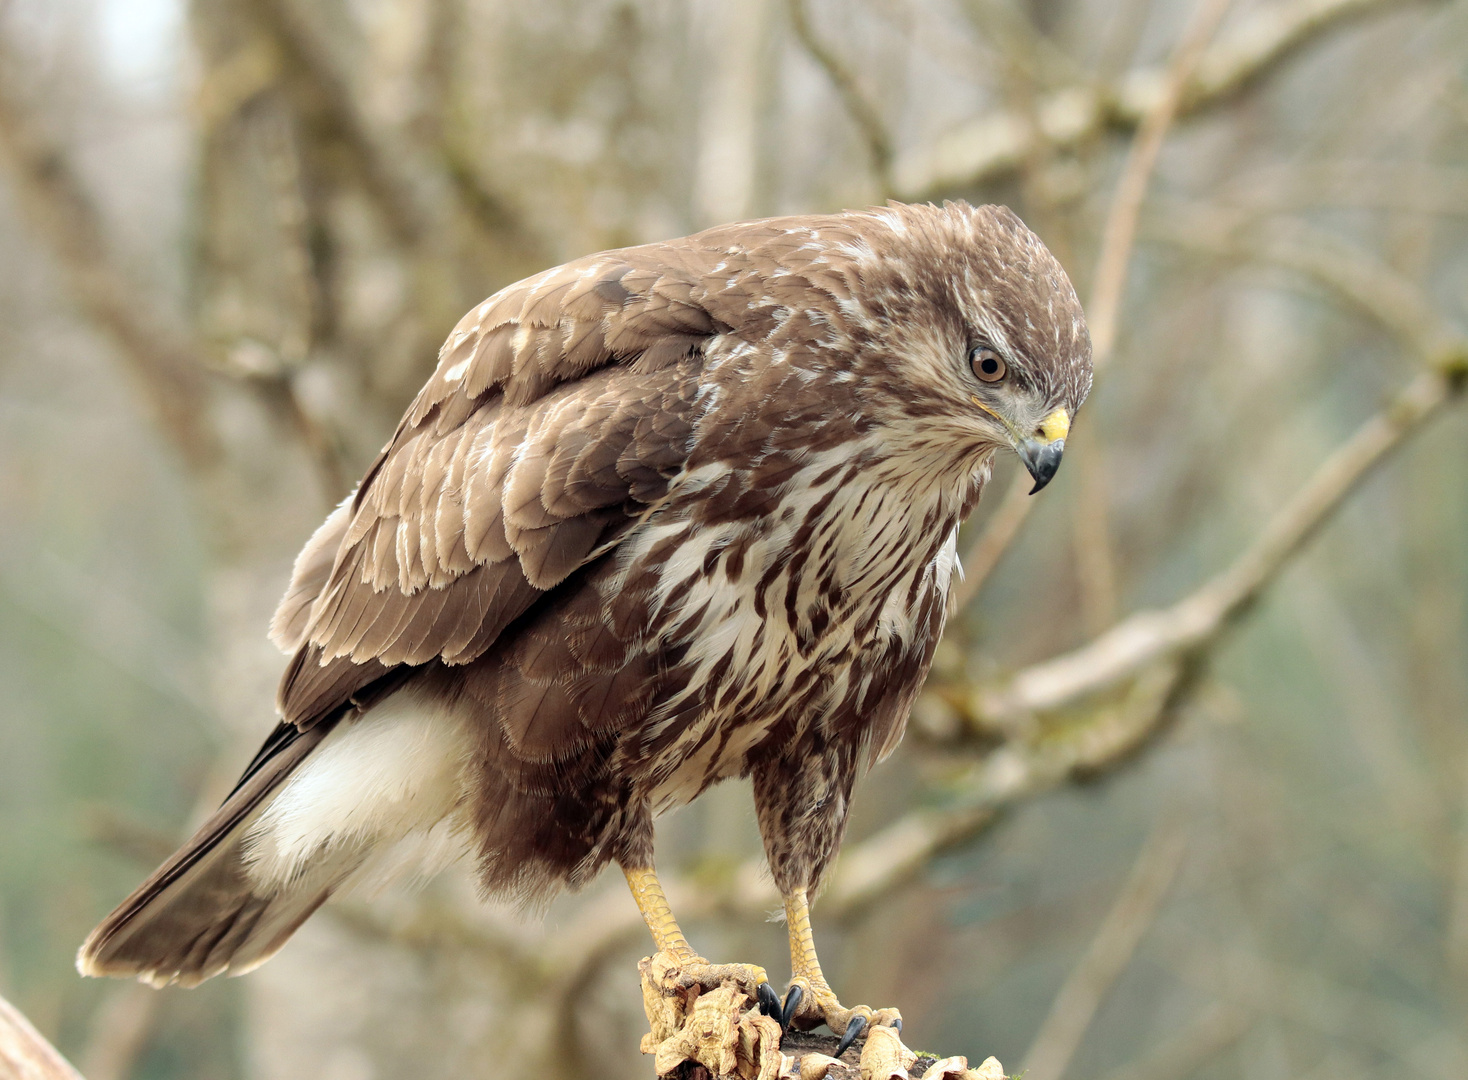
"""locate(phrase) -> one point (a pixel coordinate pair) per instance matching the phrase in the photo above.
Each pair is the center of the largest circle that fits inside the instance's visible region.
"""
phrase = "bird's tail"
(369, 797)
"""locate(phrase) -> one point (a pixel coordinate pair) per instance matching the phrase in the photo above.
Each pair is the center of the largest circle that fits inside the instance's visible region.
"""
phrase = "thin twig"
(1010, 33)
(1002, 140)
(1192, 623)
(164, 362)
(1110, 952)
(1091, 537)
(167, 361)
(1096, 561)
(1157, 651)
(1200, 1042)
(1118, 236)
(1378, 289)
(863, 113)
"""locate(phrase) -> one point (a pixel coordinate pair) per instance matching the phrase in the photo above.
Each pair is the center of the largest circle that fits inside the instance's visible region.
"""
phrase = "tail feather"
(373, 797)
(201, 914)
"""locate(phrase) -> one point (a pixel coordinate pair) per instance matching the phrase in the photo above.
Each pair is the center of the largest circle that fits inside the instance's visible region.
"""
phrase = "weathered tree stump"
(706, 1032)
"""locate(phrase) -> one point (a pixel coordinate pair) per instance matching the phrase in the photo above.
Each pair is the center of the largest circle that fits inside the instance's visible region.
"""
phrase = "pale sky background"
(140, 40)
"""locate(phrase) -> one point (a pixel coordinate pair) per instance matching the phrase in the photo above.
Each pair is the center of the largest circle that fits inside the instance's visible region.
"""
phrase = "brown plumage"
(661, 516)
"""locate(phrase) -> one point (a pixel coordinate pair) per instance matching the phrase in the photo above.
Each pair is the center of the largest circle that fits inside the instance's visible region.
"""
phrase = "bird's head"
(983, 338)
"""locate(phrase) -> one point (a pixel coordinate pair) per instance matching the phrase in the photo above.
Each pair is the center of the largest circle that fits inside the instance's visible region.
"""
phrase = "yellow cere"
(1055, 426)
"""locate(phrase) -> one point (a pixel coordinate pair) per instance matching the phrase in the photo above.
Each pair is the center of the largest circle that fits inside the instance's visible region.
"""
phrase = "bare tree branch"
(1195, 621)
(382, 163)
(411, 188)
(25, 1054)
(863, 113)
(1377, 289)
(171, 367)
(162, 359)
(1092, 530)
(1118, 236)
(1220, 1026)
(1003, 140)
(1010, 31)
(1110, 952)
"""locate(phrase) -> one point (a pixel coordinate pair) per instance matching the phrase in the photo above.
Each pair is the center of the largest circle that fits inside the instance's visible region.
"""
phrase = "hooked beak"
(1041, 452)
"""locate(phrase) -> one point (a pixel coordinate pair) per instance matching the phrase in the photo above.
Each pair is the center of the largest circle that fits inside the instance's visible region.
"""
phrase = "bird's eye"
(987, 364)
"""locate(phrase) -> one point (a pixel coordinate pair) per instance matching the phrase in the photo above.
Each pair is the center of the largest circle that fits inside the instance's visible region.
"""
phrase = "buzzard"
(661, 516)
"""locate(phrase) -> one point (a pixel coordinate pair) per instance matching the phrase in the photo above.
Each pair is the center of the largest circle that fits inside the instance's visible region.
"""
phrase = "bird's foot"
(726, 1018)
(708, 1013)
(693, 970)
(810, 1002)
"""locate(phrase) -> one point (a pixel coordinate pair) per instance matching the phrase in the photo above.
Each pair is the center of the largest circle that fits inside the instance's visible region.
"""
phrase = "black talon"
(854, 1028)
(769, 1001)
(793, 997)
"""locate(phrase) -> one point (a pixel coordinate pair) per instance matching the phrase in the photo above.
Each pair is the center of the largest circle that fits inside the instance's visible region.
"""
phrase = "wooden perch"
(25, 1054)
(720, 1032)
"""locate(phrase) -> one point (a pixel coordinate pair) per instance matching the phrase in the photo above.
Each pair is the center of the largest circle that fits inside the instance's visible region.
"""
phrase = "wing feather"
(536, 443)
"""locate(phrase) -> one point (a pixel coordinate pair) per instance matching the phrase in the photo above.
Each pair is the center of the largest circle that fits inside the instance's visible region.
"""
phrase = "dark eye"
(987, 364)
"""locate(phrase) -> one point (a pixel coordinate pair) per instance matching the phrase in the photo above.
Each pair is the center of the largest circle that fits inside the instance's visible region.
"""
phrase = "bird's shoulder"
(560, 410)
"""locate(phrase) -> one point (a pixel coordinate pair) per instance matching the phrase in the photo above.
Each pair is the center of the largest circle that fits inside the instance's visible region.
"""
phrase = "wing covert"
(560, 411)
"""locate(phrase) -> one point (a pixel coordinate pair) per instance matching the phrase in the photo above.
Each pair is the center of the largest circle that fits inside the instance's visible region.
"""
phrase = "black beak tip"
(1042, 460)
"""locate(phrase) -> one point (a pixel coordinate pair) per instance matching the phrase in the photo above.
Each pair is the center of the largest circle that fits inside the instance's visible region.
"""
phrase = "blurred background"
(1228, 838)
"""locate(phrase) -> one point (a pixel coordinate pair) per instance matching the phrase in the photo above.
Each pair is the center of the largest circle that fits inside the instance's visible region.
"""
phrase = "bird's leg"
(674, 949)
(697, 1011)
(810, 999)
(647, 890)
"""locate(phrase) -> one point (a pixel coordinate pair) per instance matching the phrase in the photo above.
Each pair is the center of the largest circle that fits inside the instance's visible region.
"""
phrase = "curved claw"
(854, 1028)
(793, 998)
(769, 1001)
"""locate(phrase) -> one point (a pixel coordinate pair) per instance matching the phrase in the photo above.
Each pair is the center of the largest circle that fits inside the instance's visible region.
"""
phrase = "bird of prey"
(662, 516)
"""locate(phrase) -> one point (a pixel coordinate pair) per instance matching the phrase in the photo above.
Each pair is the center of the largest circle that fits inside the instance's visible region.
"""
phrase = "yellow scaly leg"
(647, 891)
(810, 999)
